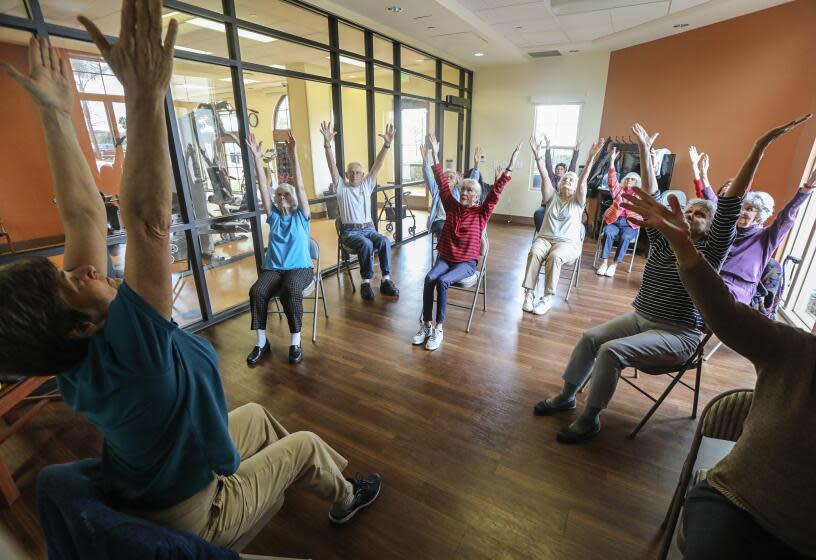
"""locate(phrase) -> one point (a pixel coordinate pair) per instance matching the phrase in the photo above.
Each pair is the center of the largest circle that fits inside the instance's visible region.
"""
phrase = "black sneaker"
(544, 408)
(295, 354)
(573, 434)
(366, 491)
(257, 353)
(366, 292)
(388, 288)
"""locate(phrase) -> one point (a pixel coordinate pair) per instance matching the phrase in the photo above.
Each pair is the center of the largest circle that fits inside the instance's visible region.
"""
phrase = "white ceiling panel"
(528, 26)
(537, 39)
(680, 5)
(514, 13)
(589, 19)
(630, 16)
(588, 33)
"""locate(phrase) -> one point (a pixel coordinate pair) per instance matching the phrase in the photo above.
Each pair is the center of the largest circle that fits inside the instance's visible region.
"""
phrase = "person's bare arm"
(388, 138)
(328, 132)
(647, 168)
(742, 182)
(581, 190)
(547, 189)
(303, 198)
(260, 172)
(78, 202)
(144, 64)
(477, 157)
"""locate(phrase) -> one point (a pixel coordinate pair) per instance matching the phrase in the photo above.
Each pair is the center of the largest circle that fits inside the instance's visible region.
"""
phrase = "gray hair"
(572, 174)
(763, 202)
(631, 175)
(707, 204)
(292, 192)
(473, 184)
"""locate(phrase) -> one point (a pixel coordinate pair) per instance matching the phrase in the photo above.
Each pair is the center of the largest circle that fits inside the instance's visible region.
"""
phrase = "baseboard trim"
(510, 219)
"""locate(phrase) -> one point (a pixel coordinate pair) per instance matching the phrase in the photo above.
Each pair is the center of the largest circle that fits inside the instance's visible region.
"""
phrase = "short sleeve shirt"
(355, 202)
(288, 246)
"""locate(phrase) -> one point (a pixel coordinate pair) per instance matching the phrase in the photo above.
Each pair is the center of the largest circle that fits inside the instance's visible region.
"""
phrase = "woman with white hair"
(618, 224)
(287, 266)
(459, 243)
(755, 244)
(558, 240)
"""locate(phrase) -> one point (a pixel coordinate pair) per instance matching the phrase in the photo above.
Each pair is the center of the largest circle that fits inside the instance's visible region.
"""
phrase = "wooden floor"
(468, 471)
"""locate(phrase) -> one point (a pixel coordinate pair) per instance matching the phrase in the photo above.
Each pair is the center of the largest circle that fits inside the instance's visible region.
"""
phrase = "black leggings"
(288, 286)
(714, 528)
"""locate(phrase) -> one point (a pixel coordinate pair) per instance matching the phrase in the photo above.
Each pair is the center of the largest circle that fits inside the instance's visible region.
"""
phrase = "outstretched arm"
(388, 138)
(328, 132)
(144, 65)
(547, 189)
(548, 160)
(574, 161)
(703, 183)
(502, 178)
(445, 195)
(303, 198)
(427, 172)
(614, 186)
(784, 220)
(581, 191)
(647, 169)
(260, 172)
(80, 206)
(742, 182)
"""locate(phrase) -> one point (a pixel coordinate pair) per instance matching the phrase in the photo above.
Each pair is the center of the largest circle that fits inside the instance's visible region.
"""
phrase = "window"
(282, 114)
(559, 123)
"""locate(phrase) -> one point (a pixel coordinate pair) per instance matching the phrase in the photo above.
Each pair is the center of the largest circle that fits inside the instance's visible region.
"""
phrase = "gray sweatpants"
(630, 340)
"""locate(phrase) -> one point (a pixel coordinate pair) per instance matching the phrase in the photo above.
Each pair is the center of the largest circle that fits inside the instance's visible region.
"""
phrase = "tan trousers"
(553, 255)
(272, 460)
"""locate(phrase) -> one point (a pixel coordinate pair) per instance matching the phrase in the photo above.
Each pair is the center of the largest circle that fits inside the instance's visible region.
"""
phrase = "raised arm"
(445, 195)
(581, 190)
(547, 189)
(647, 170)
(548, 161)
(78, 202)
(742, 182)
(388, 138)
(704, 184)
(144, 66)
(614, 186)
(427, 172)
(784, 220)
(260, 172)
(502, 179)
(574, 160)
(303, 198)
(328, 132)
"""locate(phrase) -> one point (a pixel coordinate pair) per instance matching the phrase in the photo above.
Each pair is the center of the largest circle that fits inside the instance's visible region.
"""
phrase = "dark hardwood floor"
(468, 471)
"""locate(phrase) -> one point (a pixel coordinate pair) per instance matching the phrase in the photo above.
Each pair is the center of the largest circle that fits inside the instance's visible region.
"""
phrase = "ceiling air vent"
(544, 54)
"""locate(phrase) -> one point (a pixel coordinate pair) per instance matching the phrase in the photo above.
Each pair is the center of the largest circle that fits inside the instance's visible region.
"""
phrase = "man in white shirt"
(354, 202)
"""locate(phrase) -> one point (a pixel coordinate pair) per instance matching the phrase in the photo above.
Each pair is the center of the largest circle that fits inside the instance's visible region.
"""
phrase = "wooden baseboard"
(28, 244)
(510, 219)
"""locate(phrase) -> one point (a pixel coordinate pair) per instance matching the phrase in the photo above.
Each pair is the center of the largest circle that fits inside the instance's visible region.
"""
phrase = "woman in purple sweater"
(756, 244)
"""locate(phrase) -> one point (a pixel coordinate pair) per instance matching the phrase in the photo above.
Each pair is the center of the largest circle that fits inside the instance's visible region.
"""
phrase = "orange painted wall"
(719, 87)
(26, 193)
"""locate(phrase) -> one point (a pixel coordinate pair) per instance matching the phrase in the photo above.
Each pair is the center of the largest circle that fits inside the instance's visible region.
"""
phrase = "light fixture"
(246, 80)
(170, 14)
(350, 61)
(680, 25)
(394, 9)
(216, 26)
(478, 54)
(188, 49)
(279, 66)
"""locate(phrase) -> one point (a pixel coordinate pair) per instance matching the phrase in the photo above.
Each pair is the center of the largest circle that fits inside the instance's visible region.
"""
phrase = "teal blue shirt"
(155, 393)
(288, 241)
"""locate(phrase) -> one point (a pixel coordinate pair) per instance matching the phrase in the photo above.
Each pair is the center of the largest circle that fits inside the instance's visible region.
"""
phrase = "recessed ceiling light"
(420, 60)
(246, 80)
(279, 66)
(478, 54)
(216, 26)
(350, 61)
(394, 9)
(680, 25)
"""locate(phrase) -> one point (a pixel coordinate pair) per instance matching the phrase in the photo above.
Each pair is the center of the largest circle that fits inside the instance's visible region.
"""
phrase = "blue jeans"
(538, 217)
(620, 231)
(436, 226)
(363, 242)
(441, 276)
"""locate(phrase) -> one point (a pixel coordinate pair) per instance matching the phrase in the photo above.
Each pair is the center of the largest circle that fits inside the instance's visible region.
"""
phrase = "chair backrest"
(681, 198)
(485, 248)
(725, 415)
(314, 249)
(770, 290)
(338, 225)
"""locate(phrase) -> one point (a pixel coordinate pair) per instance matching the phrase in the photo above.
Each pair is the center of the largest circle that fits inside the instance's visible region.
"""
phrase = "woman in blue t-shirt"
(287, 267)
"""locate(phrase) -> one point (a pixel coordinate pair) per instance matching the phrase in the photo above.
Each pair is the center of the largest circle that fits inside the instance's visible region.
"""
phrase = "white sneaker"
(422, 334)
(529, 301)
(610, 271)
(435, 340)
(602, 270)
(543, 305)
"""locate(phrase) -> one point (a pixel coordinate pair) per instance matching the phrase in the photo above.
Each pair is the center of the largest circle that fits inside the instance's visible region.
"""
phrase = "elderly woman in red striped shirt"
(459, 243)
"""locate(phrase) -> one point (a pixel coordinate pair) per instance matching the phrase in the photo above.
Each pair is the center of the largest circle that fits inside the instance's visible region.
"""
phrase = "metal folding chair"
(632, 247)
(344, 256)
(314, 289)
(575, 264)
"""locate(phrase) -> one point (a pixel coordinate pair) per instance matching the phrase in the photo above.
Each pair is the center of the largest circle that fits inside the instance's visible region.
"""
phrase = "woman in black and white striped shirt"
(665, 327)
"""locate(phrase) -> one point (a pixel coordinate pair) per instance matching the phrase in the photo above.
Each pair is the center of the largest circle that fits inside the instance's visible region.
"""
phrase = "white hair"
(762, 202)
(473, 184)
(632, 175)
(707, 204)
(292, 192)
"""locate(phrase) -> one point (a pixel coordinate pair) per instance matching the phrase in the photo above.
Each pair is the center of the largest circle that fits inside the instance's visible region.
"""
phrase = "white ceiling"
(507, 30)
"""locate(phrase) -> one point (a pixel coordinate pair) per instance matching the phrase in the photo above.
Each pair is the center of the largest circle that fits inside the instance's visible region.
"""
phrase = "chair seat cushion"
(468, 282)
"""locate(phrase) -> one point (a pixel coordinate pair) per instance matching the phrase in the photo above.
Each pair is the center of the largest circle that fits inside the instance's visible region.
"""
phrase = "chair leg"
(484, 291)
(697, 390)
(584, 384)
(278, 309)
(314, 315)
(657, 403)
(8, 488)
(716, 347)
(473, 304)
(323, 297)
(573, 280)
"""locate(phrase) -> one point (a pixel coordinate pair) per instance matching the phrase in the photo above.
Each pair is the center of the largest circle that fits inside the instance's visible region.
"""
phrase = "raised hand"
(389, 133)
(694, 156)
(498, 172)
(254, 146)
(643, 137)
(139, 59)
(769, 137)
(596, 149)
(49, 81)
(328, 132)
(433, 143)
(536, 145)
(477, 156)
(613, 155)
(546, 142)
(650, 213)
(291, 143)
(704, 163)
(810, 184)
(514, 156)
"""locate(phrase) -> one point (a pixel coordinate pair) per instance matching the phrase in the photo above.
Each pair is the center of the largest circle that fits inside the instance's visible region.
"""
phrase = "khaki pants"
(553, 255)
(272, 460)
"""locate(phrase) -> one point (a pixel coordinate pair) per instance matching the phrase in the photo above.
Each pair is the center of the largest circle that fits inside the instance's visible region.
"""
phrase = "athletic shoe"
(388, 288)
(602, 270)
(435, 340)
(547, 407)
(295, 354)
(543, 305)
(610, 271)
(422, 334)
(570, 434)
(529, 302)
(366, 491)
(366, 292)
(257, 353)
